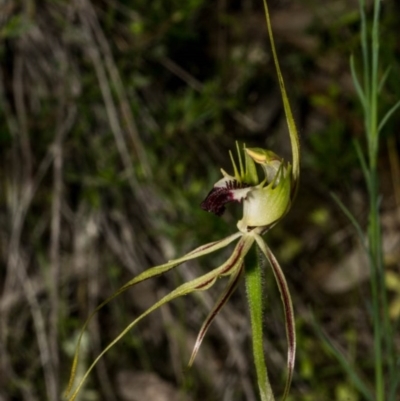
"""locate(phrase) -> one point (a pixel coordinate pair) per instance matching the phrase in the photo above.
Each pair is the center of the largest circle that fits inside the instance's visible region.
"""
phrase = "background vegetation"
(115, 117)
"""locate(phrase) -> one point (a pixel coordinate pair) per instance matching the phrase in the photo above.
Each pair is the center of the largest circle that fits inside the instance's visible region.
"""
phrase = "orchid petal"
(251, 175)
(207, 248)
(152, 272)
(222, 300)
(287, 308)
(199, 284)
(236, 172)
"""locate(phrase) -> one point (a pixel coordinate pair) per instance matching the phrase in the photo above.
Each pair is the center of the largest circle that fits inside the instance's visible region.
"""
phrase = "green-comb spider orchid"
(265, 201)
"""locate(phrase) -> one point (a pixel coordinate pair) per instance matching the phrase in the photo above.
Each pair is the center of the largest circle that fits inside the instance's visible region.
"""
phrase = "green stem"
(374, 236)
(365, 52)
(388, 338)
(381, 321)
(383, 329)
(255, 299)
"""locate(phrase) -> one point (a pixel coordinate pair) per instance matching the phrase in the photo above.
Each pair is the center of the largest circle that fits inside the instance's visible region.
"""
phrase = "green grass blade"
(353, 221)
(365, 51)
(388, 115)
(383, 79)
(357, 84)
(394, 384)
(363, 162)
(347, 367)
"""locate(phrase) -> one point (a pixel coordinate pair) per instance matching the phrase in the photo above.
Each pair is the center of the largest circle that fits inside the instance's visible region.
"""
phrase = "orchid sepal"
(287, 308)
(202, 283)
(222, 300)
(149, 273)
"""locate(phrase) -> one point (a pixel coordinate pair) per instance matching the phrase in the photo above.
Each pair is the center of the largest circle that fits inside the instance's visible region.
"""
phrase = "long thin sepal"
(222, 300)
(294, 136)
(152, 272)
(287, 308)
(199, 284)
(253, 278)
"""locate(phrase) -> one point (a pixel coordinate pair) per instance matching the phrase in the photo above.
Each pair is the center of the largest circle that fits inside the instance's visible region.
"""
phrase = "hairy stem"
(255, 298)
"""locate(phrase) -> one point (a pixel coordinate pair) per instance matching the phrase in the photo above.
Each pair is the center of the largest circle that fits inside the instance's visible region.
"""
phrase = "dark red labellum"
(217, 198)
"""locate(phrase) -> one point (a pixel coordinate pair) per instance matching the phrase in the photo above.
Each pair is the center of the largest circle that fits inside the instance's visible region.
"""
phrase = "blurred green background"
(115, 118)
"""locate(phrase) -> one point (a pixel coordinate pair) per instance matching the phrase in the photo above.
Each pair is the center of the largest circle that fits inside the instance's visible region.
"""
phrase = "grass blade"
(388, 115)
(355, 378)
(383, 79)
(353, 221)
(356, 82)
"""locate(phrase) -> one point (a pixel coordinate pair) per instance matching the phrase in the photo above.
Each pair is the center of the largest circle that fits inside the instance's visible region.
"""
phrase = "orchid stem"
(253, 279)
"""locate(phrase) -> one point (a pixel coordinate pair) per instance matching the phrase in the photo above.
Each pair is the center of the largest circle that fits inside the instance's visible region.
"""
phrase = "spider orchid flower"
(265, 201)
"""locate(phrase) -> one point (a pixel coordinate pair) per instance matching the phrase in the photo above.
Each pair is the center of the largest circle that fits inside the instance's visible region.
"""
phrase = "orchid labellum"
(266, 198)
